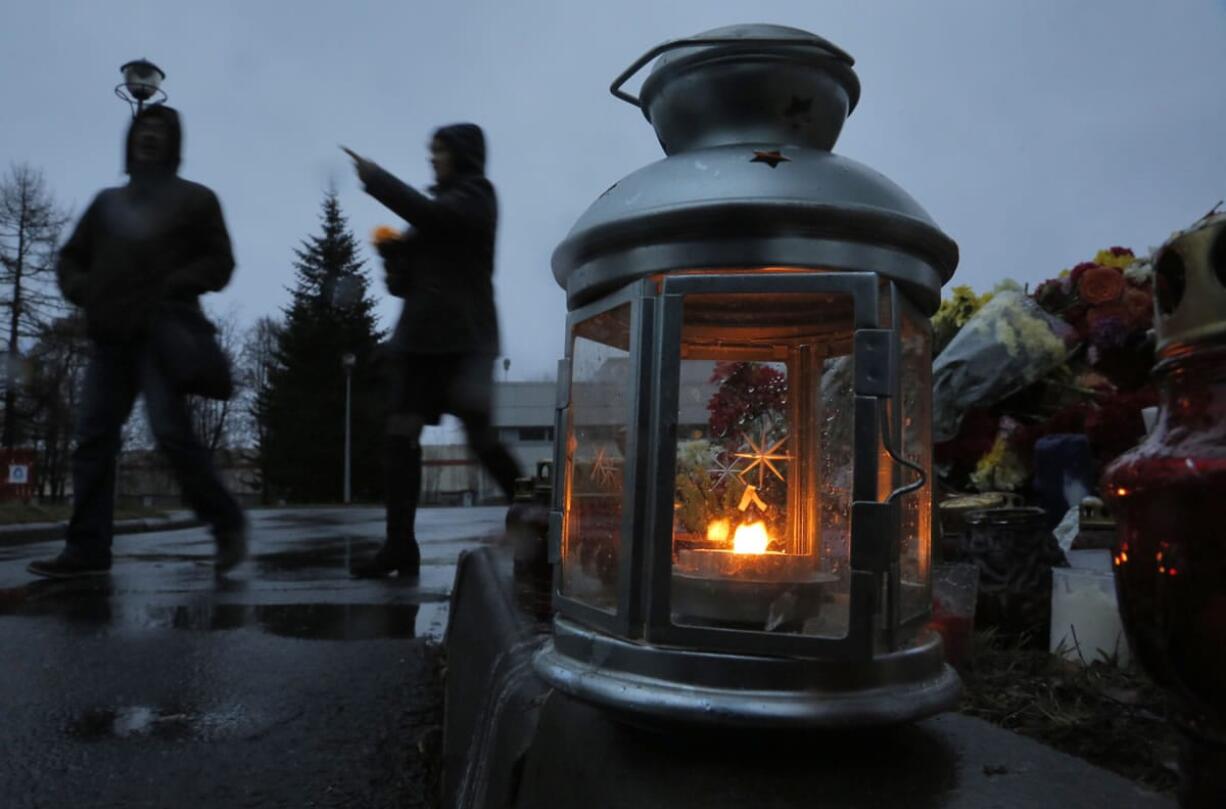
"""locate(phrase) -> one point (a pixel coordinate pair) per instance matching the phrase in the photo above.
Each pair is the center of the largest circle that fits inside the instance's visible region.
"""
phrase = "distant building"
(523, 414)
(144, 478)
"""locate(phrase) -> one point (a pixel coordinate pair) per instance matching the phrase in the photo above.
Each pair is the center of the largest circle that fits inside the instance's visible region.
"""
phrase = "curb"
(46, 531)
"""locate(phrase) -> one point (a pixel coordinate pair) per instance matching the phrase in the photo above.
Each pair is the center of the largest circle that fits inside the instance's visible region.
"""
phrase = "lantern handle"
(812, 41)
(922, 476)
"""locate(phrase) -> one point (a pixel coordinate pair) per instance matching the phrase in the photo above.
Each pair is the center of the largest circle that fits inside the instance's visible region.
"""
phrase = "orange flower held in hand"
(384, 233)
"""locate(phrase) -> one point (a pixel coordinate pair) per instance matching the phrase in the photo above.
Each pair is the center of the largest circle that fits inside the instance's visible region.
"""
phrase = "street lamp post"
(347, 362)
(141, 81)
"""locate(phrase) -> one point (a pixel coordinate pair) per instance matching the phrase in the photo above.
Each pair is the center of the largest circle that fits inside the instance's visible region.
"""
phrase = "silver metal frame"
(646, 683)
(660, 629)
(901, 306)
(631, 544)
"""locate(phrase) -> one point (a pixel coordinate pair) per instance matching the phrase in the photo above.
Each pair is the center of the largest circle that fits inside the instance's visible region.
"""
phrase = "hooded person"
(446, 339)
(139, 252)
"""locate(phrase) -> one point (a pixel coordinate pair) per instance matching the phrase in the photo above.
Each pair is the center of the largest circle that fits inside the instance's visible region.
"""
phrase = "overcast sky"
(1035, 133)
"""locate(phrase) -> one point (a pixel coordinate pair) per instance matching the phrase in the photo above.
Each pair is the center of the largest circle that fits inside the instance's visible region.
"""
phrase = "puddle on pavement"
(305, 621)
(167, 724)
(96, 604)
(318, 555)
(325, 518)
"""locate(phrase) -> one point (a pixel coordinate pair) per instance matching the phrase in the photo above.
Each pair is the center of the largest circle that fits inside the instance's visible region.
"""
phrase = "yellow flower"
(1000, 470)
(956, 310)
(1116, 258)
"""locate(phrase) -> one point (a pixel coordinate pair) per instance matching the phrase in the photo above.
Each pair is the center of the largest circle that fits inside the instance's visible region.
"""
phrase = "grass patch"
(1114, 718)
(23, 513)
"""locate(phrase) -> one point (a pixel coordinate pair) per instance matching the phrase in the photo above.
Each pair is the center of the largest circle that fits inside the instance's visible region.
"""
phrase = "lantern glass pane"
(762, 497)
(600, 388)
(915, 547)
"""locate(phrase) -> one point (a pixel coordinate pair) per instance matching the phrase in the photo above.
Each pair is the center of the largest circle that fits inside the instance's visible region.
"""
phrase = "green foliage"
(301, 405)
(700, 499)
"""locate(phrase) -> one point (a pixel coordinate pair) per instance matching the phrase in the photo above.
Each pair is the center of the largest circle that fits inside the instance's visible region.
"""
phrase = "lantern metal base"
(654, 683)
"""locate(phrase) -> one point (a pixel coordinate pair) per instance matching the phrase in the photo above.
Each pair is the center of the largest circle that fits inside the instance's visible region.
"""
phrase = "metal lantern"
(142, 82)
(743, 515)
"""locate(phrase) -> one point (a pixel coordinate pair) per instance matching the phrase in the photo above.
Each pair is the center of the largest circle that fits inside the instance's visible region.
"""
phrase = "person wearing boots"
(446, 340)
(140, 251)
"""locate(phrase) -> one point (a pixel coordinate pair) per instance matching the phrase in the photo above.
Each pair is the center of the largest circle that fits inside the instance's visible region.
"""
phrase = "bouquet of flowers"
(1073, 357)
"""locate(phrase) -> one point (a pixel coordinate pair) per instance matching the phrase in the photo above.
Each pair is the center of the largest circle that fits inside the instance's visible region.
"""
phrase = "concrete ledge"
(512, 742)
(492, 697)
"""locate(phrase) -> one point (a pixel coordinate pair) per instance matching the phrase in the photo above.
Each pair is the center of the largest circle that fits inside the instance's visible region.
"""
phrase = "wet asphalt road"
(285, 684)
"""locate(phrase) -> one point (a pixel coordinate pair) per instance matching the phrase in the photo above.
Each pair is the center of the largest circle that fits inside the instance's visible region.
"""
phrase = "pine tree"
(301, 406)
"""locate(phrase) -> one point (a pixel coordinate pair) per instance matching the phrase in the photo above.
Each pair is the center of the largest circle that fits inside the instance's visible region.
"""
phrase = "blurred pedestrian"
(446, 340)
(137, 263)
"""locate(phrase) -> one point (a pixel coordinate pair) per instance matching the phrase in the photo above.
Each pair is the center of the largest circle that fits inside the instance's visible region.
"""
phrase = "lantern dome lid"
(727, 207)
(747, 119)
(747, 83)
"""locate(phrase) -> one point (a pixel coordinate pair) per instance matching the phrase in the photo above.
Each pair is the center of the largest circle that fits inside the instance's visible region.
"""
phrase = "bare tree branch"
(30, 225)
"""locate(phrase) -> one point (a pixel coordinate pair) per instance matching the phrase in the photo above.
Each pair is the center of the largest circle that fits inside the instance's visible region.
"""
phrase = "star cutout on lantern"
(798, 107)
(772, 158)
(761, 456)
(723, 467)
(604, 468)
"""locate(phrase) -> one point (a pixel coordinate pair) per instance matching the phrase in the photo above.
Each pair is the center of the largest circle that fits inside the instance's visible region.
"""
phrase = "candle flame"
(719, 531)
(750, 538)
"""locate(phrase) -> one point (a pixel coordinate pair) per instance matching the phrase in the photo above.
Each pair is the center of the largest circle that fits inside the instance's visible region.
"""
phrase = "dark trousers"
(115, 375)
(422, 388)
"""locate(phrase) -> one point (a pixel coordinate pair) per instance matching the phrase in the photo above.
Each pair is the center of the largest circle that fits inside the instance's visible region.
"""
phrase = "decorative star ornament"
(772, 158)
(761, 456)
(604, 468)
(724, 467)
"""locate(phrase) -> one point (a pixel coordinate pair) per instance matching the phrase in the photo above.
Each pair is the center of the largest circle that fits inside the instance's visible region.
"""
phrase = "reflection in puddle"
(308, 621)
(137, 721)
(95, 604)
(324, 553)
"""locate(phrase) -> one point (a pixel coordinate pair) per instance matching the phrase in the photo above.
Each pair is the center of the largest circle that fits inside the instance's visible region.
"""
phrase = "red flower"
(1052, 296)
(975, 439)
(747, 390)
(1115, 426)
(1075, 316)
(1080, 270)
(1099, 285)
(1070, 419)
(1140, 306)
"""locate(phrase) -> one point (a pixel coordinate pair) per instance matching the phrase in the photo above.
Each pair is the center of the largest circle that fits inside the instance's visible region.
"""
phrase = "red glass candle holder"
(1169, 497)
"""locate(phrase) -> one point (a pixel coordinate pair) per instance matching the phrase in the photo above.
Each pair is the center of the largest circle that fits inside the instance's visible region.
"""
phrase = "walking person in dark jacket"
(140, 251)
(446, 340)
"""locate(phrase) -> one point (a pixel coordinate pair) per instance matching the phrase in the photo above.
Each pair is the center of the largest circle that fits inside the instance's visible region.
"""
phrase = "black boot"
(231, 549)
(71, 564)
(403, 558)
